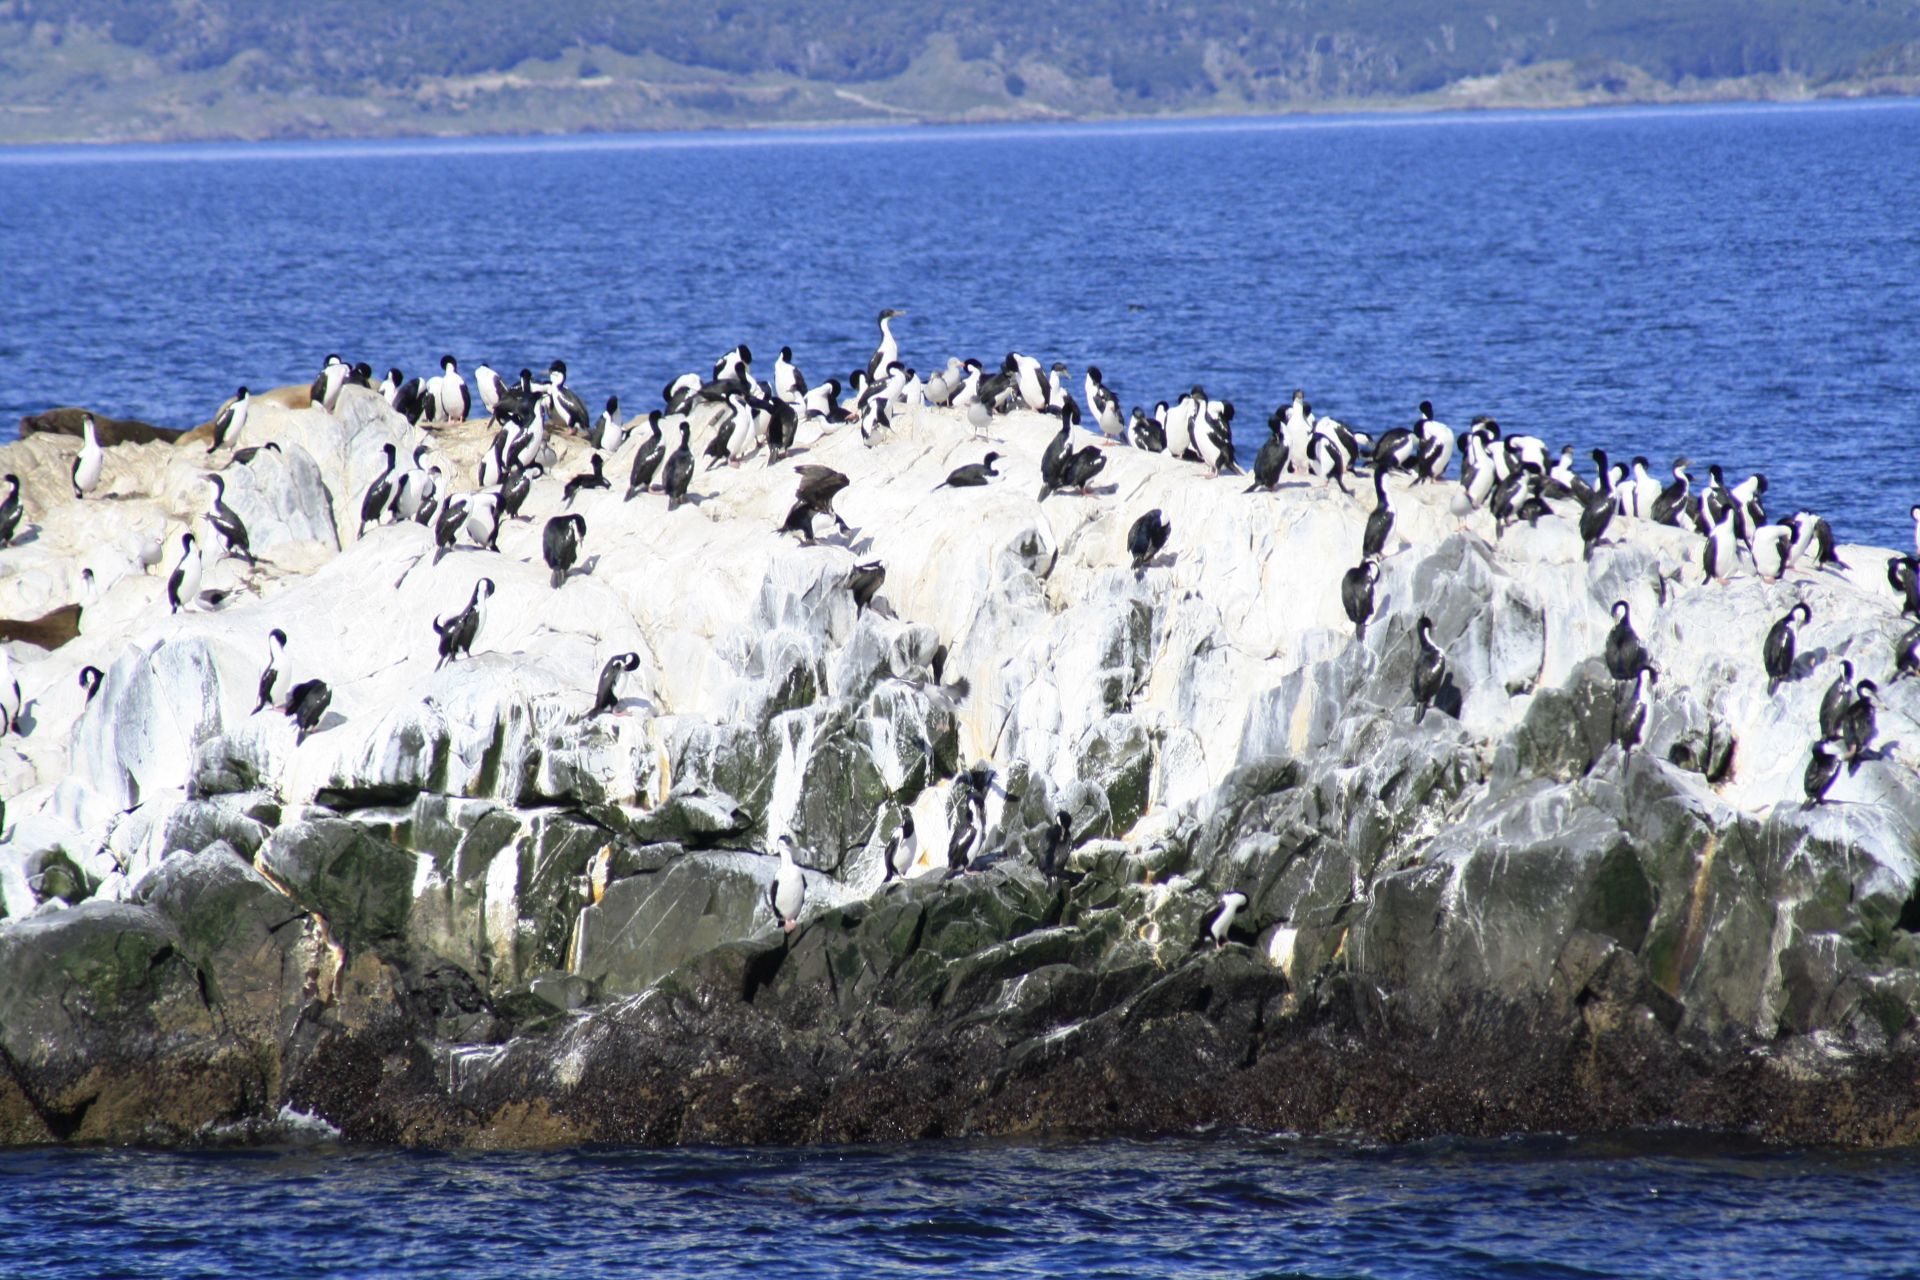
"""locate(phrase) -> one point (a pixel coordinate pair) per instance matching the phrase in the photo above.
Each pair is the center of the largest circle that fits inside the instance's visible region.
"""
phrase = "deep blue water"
(1226, 1207)
(1736, 284)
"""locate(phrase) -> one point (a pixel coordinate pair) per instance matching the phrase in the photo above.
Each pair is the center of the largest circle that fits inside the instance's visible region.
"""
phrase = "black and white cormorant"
(1810, 530)
(595, 478)
(1596, 512)
(1053, 460)
(227, 523)
(564, 405)
(902, 851)
(231, 420)
(1104, 405)
(447, 524)
(1380, 520)
(89, 462)
(1327, 460)
(783, 427)
(1720, 555)
(1906, 655)
(516, 489)
(1822, 768)
(1076, 471)
(824, 402)
(458, 632)
(325, 390)
(789, 383)
(1217, 927)
(608, 432)
(1836, 700)
(679, 470)
(11, 510)
(1437, 442)
(1778, 651)
(1271, 462)
(1213, 437)
(1626, 656)
(864, 582)
(487, 383)
(276, 645)
(973, 474)
(306, 703)
(560, 544)
(1671, 504)
(646, 459)
(1772, 548)
(1059, 846)
(1146, 434)
(1147, 539)
(965, 834)
(1397, 449)
(183, 584)
(889, 349)
(380, 493)
(244, 457)
(605, 698)
(1356, 594)
(788, 892)
(448, 392)
(1631, 703)
(1857, 724)
(1429, 670)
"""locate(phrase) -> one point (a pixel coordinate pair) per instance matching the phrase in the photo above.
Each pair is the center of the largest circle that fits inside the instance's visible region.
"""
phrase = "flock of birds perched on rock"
(737, 415)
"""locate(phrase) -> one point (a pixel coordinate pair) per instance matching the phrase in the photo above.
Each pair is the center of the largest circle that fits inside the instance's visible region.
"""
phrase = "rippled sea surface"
(1223, 1207)
(1735, 284)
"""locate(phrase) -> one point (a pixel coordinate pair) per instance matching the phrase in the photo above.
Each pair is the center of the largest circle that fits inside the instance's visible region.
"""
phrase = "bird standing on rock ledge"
(902, 850)
(1218, 925)
(183, 584)
(90, 461)
(457, 633)
(1147, 539)
(230, 421)
(561, 544)
(788, 892)
(972, 475)
(1429, 670)
(605, 698)
(306, 704)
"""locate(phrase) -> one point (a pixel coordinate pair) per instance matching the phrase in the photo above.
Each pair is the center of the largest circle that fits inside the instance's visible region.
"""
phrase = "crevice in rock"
(1910, 913)
(63, 1124)
(760, 973)
(344, 800)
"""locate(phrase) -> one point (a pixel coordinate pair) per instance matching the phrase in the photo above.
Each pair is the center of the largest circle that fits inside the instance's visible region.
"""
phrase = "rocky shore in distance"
(463, 911)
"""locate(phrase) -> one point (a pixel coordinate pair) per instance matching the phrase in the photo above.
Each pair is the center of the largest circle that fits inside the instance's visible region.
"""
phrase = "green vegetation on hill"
(85, 68)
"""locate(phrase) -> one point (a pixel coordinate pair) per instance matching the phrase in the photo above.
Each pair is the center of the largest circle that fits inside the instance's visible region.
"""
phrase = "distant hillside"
(117, 69)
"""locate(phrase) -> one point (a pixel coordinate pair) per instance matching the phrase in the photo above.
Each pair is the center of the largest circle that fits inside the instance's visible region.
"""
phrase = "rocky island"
(463, 908)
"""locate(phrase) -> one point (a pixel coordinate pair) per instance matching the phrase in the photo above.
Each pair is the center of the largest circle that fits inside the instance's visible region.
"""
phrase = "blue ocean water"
(1224, 1207)
(1733, 283)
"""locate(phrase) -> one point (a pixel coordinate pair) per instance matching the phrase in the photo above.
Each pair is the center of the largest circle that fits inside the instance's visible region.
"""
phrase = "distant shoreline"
(752, 133)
